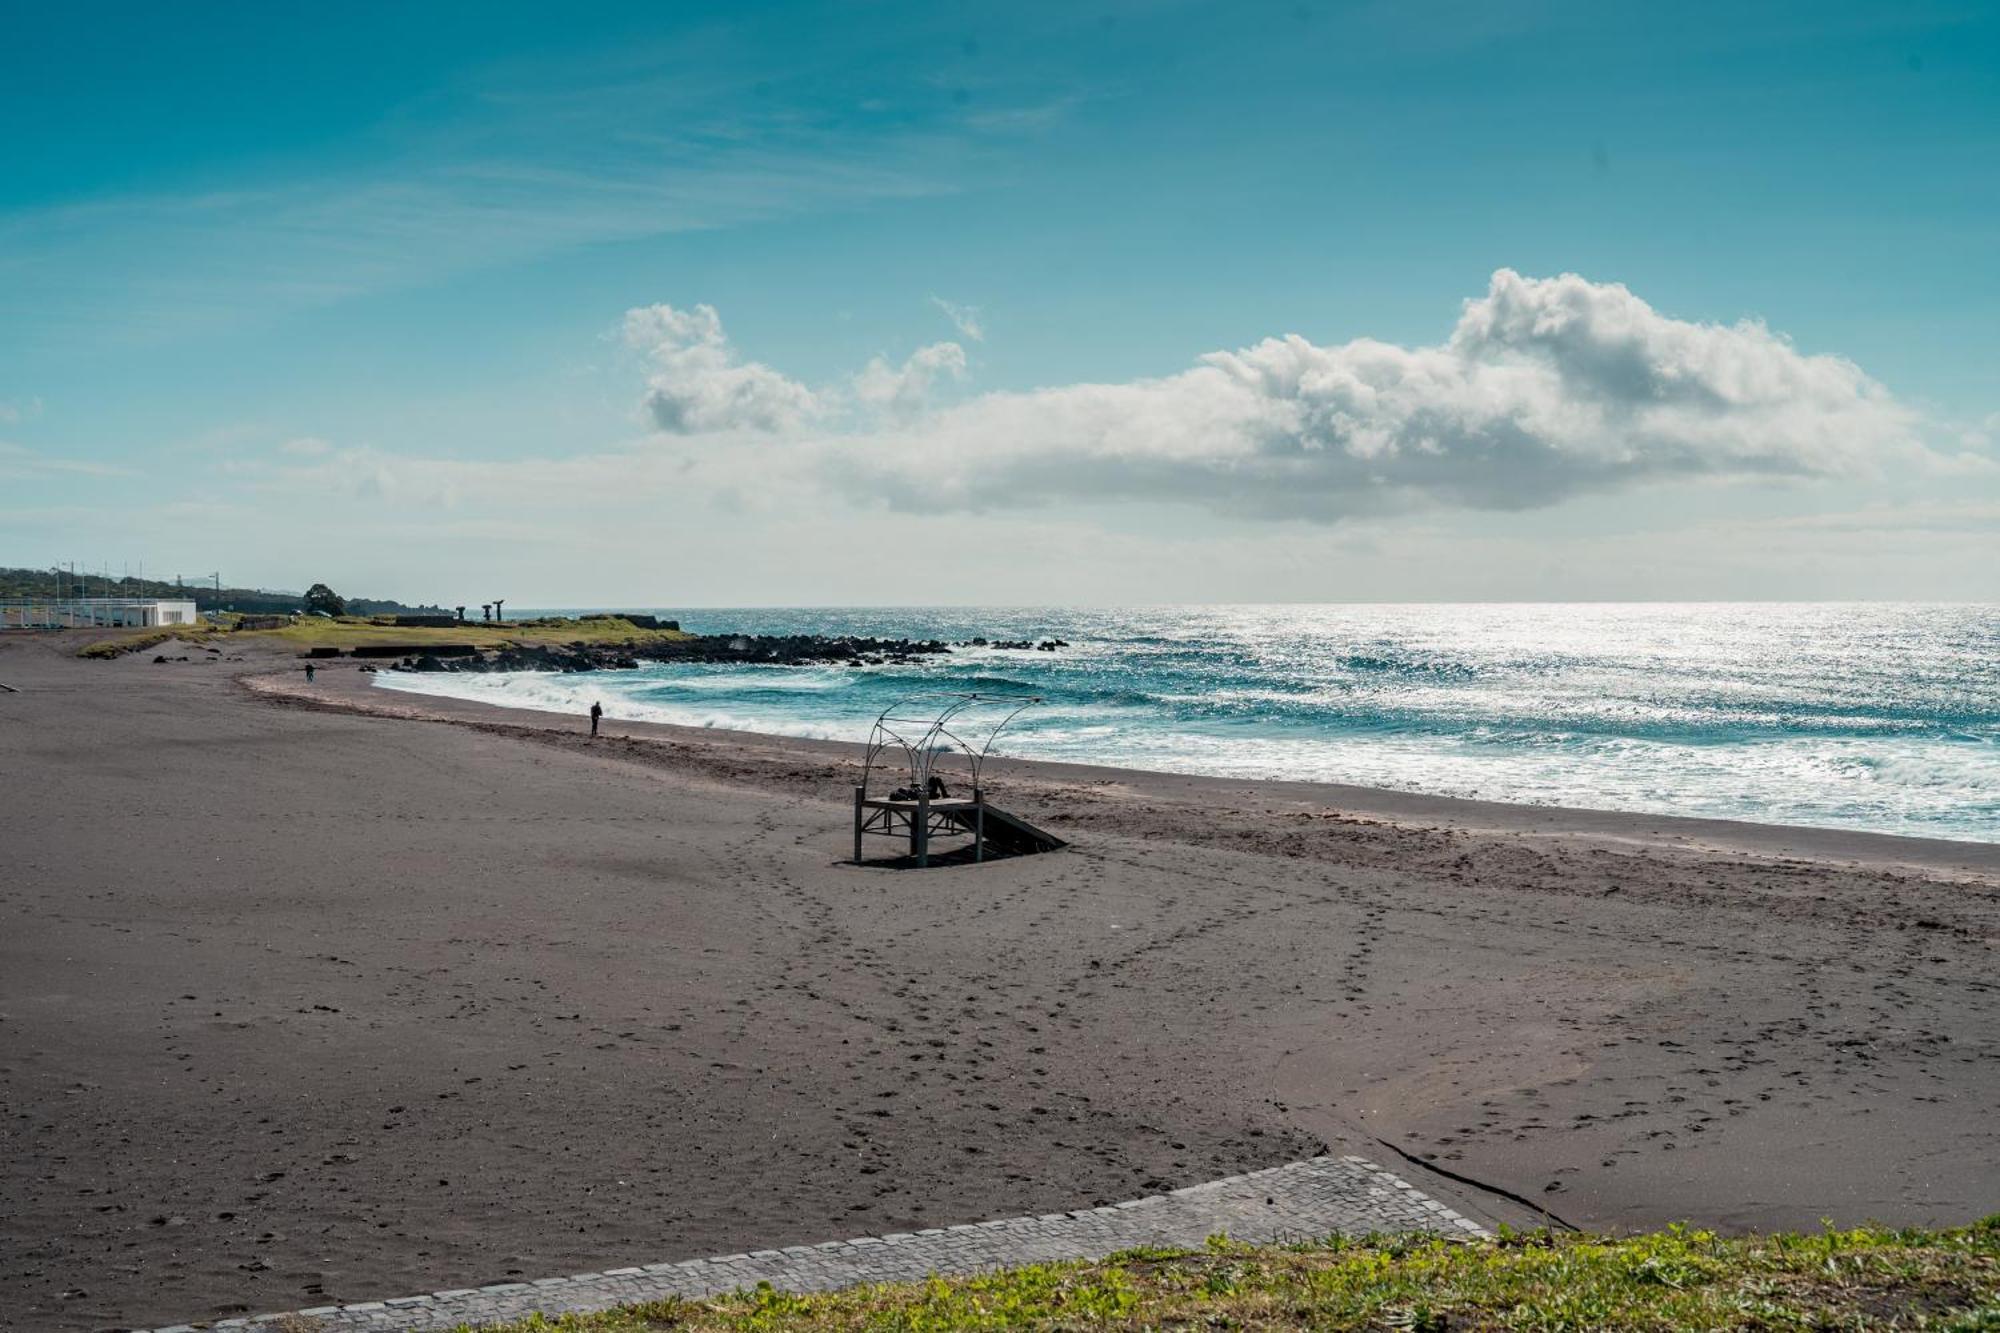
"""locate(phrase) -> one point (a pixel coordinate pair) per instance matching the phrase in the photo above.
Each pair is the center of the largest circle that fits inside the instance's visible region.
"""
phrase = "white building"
(94, 612)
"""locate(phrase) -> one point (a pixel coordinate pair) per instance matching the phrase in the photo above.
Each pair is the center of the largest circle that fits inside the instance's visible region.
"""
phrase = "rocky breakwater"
(1015, 645)
(761, 649)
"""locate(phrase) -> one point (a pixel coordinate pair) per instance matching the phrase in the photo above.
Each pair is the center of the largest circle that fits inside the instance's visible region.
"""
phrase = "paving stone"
(1305, 1200)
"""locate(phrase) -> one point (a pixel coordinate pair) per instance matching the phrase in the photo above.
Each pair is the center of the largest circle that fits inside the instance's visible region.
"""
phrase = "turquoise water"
(1880, 717)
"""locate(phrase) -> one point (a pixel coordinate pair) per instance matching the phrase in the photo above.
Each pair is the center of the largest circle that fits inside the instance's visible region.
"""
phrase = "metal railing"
(93, 612)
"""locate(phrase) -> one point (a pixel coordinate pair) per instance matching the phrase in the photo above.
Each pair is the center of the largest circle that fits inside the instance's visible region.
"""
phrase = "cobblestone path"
(1306, 1199)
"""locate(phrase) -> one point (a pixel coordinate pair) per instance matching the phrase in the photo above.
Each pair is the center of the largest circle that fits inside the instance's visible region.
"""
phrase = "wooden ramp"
(1005, 834)
(994, 831)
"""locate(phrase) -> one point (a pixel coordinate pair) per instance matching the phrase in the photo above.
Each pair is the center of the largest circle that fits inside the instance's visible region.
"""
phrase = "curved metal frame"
(918, 736)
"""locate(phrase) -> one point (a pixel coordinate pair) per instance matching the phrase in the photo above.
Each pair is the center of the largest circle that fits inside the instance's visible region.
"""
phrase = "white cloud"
(593, 518)
(907, 387)
(20, 463)
(964, 318)
(1544, 389)
(699, 386)
(1032, 118)
(305, 446)
(1581, 387)
(525, 160)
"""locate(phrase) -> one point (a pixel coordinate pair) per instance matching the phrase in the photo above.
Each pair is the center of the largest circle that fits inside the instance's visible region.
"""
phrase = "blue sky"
(305, 296)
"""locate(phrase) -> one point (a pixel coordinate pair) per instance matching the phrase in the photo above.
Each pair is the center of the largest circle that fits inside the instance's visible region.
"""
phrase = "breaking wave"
(1876, 717)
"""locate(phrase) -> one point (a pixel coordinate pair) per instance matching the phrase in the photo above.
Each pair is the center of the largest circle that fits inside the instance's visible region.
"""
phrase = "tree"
(319, 597)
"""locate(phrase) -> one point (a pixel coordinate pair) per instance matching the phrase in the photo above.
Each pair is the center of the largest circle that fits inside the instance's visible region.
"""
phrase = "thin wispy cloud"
(1031, 118)
(601, 503)
(542, 161)
(20, 463)
(174, 263)
(964, 318)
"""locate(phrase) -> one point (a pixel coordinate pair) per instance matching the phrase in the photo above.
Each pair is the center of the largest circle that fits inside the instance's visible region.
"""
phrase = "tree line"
(38, 583)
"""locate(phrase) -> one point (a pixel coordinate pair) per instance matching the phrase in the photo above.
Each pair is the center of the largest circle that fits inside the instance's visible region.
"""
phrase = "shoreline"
(1404, 808)
(303, 1003)
(1753, 718)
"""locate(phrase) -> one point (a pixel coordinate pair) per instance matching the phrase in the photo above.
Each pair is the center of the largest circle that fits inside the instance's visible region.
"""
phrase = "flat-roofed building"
(94, 612)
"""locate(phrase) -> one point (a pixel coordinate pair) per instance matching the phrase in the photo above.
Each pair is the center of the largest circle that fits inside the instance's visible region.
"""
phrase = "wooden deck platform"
(921, 820)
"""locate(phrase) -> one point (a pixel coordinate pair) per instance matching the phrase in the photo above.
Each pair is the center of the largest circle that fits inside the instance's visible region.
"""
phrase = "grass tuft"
(350, 632)
(1680, 1278)
(358, 631)
(140, 640)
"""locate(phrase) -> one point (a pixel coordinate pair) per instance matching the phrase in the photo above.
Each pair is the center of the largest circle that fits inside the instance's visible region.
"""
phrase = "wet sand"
(325, 993)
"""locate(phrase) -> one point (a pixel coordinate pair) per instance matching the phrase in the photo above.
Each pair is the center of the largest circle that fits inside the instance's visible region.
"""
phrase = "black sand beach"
(326, 993)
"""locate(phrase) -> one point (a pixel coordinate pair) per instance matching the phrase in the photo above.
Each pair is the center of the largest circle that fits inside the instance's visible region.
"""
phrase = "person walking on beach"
(596, 711)
(309, 673)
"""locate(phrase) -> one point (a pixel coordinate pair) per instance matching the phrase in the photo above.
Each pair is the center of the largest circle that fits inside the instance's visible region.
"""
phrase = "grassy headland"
(356, 632)
(120, 642)
(1673, 1279)
(348, 632)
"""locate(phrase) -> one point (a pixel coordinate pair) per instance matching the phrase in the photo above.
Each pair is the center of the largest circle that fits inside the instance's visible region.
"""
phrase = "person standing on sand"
(309, 673)
(596, 711)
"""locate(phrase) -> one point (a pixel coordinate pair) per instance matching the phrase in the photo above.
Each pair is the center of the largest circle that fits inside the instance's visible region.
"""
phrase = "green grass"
(1673, 1279)
(357, 631)
(139, 640)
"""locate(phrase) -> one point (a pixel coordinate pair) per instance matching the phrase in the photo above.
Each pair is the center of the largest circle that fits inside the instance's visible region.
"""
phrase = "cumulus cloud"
(964, 318)
(907, 387)
(1545, 388)
(699, 385)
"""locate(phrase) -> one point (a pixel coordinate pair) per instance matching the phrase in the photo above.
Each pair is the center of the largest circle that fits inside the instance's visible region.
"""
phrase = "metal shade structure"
(918, 735)
(927, 726)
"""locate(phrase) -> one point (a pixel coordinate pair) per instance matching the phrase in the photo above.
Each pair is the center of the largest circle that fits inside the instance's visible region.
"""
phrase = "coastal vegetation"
(20, 582)
(322, 600)
(349, 632)
(365, 631)
(1679, 1278)
(118, 644)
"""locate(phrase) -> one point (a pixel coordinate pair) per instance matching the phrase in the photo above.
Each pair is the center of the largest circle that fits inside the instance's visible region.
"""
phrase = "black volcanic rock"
(771, 649)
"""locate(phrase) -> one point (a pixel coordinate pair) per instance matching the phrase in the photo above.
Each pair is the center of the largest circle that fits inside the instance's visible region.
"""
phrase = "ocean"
(1882, 717)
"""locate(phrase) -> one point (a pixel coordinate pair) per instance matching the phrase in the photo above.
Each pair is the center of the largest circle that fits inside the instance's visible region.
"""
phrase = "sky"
(876, 303)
